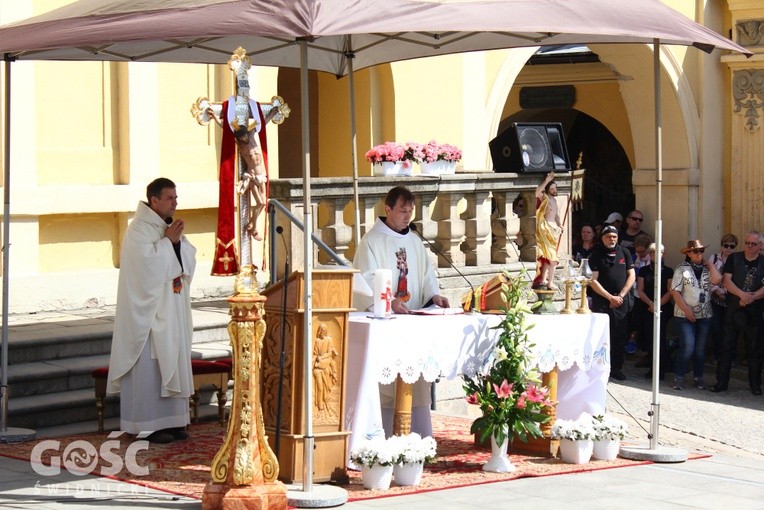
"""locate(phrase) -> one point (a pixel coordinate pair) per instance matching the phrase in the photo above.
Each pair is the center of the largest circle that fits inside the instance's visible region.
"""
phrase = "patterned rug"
(183, 467)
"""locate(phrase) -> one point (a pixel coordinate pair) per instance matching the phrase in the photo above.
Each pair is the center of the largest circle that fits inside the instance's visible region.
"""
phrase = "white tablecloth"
(448, 346)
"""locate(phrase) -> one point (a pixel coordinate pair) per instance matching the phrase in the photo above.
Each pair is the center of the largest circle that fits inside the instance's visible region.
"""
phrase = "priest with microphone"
(390, 244)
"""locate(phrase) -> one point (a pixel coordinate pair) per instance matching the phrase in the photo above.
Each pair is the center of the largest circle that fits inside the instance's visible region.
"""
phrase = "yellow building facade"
(87, 138)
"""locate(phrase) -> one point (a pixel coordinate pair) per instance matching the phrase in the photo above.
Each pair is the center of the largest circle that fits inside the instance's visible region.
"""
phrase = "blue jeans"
(693, 337)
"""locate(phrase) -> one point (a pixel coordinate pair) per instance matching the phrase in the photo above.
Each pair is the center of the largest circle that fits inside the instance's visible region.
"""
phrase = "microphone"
(282, 358)
(280, 231)
(412, 227)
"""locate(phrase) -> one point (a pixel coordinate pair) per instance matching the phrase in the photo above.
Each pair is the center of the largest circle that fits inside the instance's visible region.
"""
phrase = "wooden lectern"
(332, 299)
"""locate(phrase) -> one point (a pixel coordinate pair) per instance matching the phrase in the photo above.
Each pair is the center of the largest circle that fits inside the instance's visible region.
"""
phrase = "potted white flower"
(609, 432)
(576, 438)
(376, 459)
(412, 452)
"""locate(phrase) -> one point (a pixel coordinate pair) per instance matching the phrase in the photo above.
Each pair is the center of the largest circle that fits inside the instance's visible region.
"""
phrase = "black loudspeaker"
(530, 147)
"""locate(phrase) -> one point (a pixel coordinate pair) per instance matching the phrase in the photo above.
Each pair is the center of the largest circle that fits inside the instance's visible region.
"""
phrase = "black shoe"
(717, 388)
(161, 437)
(617, 375)
(179, 433)
(756, 390)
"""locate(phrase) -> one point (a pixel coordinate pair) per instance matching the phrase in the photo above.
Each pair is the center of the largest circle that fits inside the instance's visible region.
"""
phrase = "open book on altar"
(436, 310)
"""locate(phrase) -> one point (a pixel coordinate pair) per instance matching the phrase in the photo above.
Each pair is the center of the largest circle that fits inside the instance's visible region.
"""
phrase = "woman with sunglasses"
(691, 290)
(718, 295)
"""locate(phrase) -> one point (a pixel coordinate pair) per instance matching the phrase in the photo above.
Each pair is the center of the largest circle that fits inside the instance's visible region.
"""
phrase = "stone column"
(477, 226)
(336, 233)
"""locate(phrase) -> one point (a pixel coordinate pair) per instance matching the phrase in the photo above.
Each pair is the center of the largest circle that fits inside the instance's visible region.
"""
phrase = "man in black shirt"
(744, 282)
(612, 281)
(633, 228)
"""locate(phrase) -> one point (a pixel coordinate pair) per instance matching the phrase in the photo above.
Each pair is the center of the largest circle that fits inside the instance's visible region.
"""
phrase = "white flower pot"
(392, 168)
(606, 449)
(499, 461)
(408, 474)
(377, 477)
(438, 167)
(576, 452)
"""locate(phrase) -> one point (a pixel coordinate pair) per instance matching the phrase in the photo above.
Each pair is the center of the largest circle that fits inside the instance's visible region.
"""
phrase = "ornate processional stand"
(245, 470)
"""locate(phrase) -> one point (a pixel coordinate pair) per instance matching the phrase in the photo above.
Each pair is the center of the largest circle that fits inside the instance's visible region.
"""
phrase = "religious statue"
(243, 121)
(324, 367)
(548, 230)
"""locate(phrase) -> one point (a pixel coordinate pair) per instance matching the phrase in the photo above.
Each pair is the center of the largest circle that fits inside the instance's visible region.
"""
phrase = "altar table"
(447, 346)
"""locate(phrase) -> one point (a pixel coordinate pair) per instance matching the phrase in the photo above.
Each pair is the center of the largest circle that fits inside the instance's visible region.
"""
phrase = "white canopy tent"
(334, 36)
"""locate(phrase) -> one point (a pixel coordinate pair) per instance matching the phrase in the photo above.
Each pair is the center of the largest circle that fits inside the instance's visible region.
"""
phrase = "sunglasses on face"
(697, 250)
(635, 218)
(749, 243)
(729, 246)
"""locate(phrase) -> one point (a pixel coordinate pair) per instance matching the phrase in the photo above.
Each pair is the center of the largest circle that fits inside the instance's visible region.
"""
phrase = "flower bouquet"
(506, 387)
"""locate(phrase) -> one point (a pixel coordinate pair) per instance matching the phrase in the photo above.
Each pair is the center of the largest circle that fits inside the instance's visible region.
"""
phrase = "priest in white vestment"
(150, 363)
(390, 244)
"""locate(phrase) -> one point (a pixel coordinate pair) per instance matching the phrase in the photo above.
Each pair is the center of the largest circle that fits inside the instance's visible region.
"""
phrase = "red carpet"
(182, 467)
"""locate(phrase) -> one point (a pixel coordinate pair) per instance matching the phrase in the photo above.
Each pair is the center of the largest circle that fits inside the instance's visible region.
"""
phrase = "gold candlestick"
(584, 306)
(568, 286)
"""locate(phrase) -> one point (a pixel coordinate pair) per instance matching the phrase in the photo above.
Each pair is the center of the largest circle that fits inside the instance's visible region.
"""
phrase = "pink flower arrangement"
(504, 385)
(434, 151)
(413, 152)
(388, 151)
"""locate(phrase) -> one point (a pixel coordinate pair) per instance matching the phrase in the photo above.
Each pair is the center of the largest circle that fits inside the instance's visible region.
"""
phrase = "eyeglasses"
(749, 243)
(730, 246)
(635, 218)
(697, 250)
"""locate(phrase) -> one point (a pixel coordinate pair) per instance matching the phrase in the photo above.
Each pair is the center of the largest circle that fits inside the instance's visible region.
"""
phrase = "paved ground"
(728, 425)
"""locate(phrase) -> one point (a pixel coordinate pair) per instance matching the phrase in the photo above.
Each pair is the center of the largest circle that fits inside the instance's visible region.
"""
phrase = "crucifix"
(243, 123)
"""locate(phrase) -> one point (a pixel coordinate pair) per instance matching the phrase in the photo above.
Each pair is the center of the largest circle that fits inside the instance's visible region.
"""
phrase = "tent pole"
(6, 247)
(307, 465)
(13, 434)
(350, 55)
(654, 451)
(656, 406)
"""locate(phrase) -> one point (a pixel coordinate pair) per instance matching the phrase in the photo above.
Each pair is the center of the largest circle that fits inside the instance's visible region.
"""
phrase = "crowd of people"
(713, 304)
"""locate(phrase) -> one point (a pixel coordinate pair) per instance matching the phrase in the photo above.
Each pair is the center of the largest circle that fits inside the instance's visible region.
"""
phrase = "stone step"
(74, 406)
(83, 340)
(52, 356)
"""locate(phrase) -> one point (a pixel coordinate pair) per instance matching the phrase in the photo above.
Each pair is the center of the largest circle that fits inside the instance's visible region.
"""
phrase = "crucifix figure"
(243, 122)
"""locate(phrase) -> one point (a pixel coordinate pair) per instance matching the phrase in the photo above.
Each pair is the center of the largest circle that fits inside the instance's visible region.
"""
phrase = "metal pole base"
(321, 496)
(17, 435)
(658, 454)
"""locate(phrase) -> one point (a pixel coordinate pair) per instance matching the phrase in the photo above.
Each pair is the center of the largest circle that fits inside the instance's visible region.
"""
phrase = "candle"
(383, 293)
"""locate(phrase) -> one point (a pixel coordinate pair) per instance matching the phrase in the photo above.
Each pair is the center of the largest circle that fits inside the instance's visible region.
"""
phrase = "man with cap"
(612, 281)
(633, 228)
(614, 219)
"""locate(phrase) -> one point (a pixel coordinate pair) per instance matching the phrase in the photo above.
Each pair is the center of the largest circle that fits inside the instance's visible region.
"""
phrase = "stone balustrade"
(469, 217)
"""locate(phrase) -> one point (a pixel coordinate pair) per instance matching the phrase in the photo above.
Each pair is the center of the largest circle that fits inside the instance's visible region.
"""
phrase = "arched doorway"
(608, 179)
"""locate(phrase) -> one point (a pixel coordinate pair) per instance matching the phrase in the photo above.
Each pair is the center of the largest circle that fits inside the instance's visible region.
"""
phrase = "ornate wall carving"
(750, 32)
(748, 91)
